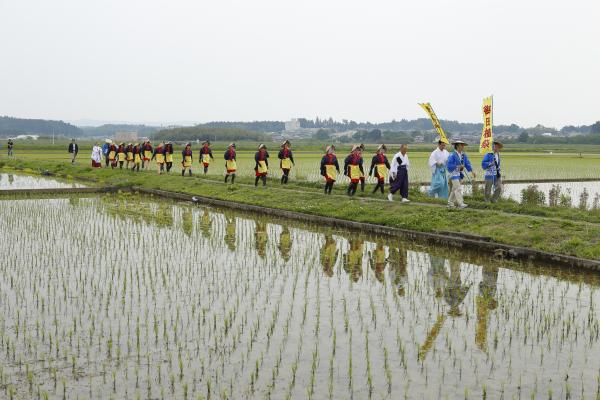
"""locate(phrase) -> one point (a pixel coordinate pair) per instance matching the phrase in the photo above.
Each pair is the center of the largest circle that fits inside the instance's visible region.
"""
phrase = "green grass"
(567, 231)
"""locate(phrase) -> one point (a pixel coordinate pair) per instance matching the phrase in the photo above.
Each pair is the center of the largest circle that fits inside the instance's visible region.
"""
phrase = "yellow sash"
(137, 159)
(355, 172)
(286, 163)
(187, 161)
(160, 158)
(331, 172)
(111, 155)
(206, 158)
(169, 157)
(262, 167)
(382, 170)
(129, 156)
(230, 165)
(147, 154)
(121, 156)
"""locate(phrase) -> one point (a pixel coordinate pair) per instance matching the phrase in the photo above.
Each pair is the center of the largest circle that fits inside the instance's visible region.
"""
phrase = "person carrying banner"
(458, 162)
(230, 162)
(399, 174)
(380, 165)
(261, 168)
(146, 154)
(286, 161)
(137, 157)
(121, 154)
(205, 155)
(493, 178)
(353, 169)
(186, 160)
(437, 163)
(168, 156)
(329, 168)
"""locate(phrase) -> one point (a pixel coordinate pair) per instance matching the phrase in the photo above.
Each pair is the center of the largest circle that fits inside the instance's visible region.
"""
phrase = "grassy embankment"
(561, 230)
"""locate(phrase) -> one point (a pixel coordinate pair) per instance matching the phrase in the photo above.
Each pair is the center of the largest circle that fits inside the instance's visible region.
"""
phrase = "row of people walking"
(449, 170)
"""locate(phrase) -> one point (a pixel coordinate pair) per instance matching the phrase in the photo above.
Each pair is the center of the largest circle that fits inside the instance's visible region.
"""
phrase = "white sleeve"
(432, 160)
(394, 166)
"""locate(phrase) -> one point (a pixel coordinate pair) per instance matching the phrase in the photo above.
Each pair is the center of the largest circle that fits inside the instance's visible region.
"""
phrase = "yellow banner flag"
(485, 144)
(436, 123)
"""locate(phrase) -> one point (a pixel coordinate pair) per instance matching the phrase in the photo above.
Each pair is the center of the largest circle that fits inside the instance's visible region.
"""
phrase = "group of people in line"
(449, 170)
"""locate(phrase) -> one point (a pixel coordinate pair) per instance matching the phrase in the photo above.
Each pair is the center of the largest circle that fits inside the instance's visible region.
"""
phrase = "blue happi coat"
(454, 163)
(492, 171)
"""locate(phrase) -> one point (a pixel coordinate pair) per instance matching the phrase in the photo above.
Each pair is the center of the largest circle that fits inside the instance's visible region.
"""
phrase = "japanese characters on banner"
(485, 144)
(436, 123)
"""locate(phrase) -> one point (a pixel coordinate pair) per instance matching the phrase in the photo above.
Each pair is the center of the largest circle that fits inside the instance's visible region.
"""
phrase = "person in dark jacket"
(146, 154)
(206, 155)
(106, 150)
(230, 162)
(286, 161)
(159, 156)
(121, 154)
(129, 155)
(261, 168)
(137, 157)
(329, 168)
(169, 155)
(73, 150)
(186, 160)
(353, 169)
(380, 165)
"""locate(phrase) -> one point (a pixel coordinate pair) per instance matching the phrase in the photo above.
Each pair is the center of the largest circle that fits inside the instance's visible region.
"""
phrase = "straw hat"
(382, 147)
(329, 148)
(188, 144)
(498, 143)
(108, 141)
(455, 142)
(232, 144)
(262, 146)
(286, 142)
(355, 147)
(361, 146)
(443, 140)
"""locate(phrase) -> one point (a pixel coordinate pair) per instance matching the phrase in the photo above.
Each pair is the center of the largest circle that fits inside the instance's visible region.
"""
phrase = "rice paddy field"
(20, 181)
(516, 165)
(119, 296)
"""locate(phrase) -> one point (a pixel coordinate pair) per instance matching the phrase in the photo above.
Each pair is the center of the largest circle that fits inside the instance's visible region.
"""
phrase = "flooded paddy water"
(20, 181)
(119, 296)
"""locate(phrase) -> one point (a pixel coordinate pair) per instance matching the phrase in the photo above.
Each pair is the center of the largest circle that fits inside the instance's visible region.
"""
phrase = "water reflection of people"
(486, 302)
(187, 222)
(329, 255)
(455, 291)
(437, 275)
(398, 272)
(230, 232)
(353, 259)
(285, 243)
(261, 237)
(11, 179)
(377, 261)
(206, 224)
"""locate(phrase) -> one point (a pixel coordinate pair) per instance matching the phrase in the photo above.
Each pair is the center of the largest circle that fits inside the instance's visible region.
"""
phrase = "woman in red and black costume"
(329, 168)
(380, 165)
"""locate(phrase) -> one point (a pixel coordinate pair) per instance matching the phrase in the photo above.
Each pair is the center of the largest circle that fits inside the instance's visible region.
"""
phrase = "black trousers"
(400, 183)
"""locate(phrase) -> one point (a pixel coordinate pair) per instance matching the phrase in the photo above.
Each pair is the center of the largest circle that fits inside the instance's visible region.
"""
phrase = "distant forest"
(193, 133)
(109, 130)
(10, 127)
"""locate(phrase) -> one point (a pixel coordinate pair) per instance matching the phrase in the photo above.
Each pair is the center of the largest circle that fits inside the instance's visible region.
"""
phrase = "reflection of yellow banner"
(485, 144)
(436, 123)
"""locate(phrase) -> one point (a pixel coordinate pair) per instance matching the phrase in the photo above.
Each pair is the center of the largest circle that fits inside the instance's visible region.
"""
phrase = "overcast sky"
(184, 60)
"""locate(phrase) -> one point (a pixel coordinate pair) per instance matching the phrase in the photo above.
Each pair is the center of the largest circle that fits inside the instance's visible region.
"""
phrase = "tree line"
(193, 133)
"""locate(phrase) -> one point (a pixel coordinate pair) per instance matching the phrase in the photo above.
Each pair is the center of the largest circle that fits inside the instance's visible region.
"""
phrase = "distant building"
(126, 136)
(293, 125)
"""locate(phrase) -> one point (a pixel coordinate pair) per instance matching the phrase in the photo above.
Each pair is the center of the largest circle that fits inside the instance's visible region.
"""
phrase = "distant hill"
(10, 127)
(192, 133)
(109, 130)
